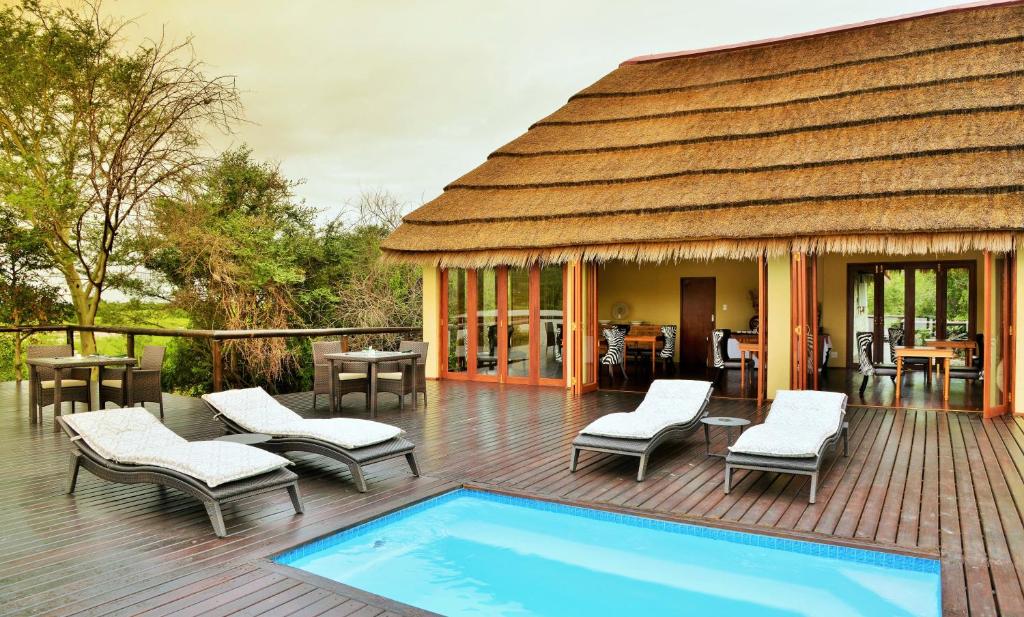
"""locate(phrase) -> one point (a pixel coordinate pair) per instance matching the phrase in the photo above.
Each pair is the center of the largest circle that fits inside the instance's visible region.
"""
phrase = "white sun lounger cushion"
(256, 411)
(134, 436)
(797, 425)
(668, 402)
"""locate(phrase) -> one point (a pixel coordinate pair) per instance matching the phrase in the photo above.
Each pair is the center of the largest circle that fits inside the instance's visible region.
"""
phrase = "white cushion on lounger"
(351, 376)
(111, 383)
(668, 402)
(390, 376)
(255, 410)
(134, 436)
(799, 422)
(64, 383)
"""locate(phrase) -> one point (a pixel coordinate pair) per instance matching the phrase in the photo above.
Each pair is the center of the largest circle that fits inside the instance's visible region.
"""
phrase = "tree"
(92, 134)
(26, 296)
(235, 265)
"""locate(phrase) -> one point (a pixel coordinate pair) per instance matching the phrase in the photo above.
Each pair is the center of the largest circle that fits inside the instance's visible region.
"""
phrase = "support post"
(344, 344)
(71, 337)
(218, 365)
(130, 345)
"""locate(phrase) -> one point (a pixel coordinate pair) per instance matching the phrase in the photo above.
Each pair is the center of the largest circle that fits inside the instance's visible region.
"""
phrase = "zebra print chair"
(668, 351)
(897, 336)
(866, 365)
(616, 354)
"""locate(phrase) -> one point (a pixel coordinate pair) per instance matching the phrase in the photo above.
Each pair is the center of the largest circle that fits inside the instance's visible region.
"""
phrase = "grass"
(133, 313)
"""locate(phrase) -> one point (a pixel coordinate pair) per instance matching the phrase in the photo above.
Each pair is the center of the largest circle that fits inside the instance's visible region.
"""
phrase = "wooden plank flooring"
(950, 485)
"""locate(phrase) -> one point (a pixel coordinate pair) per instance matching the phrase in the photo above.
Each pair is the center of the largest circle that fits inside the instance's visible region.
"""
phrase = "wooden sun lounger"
(355, 458)
(212, 498)
(641, 448)
(807, 466)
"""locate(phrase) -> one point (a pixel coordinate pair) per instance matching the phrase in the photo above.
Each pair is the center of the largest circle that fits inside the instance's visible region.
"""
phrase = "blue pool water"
(476, 553)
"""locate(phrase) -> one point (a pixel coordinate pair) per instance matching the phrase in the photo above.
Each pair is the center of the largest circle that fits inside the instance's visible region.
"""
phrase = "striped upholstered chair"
(616, 354)
(866, 365)
(668, 351)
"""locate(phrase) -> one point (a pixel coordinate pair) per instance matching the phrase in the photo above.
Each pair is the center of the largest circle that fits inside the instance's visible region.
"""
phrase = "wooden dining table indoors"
(932, 353)
(645, 340)
(968, 347)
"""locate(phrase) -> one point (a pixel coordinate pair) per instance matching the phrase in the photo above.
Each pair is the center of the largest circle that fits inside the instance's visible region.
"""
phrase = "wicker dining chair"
(396, 377)
(351, 378)
(146, 386)
(74, 386)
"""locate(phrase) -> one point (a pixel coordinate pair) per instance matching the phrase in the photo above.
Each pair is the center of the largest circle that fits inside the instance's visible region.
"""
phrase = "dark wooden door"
(696, 319)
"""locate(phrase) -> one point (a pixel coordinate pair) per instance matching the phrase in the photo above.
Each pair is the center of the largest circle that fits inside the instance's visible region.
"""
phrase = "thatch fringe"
(906, 244)
(669, 252)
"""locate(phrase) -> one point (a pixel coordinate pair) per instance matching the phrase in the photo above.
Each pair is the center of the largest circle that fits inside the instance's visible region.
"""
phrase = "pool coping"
(268, 562)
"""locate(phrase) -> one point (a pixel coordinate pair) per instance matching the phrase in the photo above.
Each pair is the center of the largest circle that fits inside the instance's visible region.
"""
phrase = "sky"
(407, 96)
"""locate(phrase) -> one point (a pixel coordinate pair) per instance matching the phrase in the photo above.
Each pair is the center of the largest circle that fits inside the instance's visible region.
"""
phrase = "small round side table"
(249, 439)
(725, 421)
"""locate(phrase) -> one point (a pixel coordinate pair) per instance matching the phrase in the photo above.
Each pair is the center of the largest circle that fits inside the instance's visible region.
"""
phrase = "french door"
(910, 302)
(504, 325)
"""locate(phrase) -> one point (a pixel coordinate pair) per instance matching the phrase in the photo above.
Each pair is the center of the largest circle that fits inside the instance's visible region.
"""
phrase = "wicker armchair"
(352, 377)
(145, 381)
(396, 378)
(74, 387)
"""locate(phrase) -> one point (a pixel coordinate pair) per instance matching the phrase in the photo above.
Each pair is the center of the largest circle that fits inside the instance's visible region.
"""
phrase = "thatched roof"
(903, 136)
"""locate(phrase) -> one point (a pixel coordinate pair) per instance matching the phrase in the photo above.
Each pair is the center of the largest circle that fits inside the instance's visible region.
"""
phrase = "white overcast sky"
(407, 96)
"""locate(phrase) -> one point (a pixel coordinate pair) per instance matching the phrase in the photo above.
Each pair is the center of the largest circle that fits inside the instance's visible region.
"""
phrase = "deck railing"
(216, 337)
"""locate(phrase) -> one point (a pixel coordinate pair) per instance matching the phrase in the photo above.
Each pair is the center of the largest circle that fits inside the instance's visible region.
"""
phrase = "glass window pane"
(958, 294)
(588, 314)
(551, 323)
(457, 321)
(487, 322)
(925, 297)
(519, 322)
(895, 293)
(863, 309)
(996, 382)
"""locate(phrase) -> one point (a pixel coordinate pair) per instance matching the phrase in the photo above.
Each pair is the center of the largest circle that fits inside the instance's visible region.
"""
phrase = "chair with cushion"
(976, 371)
(145, 381)
(396, 377)
(351, 377)
(668, 351)
(616, 354)
(867, 366)
(897, 337)
(74, 383)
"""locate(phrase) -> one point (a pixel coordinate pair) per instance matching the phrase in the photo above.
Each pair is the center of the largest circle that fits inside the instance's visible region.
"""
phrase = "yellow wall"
(652, 291)
(779, 327)
(432, 318)
(832, 293)
(1018, 388)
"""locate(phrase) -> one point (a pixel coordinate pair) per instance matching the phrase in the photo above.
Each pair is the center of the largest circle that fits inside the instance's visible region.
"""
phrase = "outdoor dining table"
(371, 358)
(969, 348)
(59, 365)
(932, 353)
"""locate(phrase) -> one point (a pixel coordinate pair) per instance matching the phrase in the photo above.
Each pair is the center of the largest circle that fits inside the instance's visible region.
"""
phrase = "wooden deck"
(928, 482)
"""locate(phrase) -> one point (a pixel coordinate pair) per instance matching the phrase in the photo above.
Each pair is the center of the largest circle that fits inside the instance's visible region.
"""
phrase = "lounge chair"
(352, 441)
(671, 408)
(800, 427)
(131, 446)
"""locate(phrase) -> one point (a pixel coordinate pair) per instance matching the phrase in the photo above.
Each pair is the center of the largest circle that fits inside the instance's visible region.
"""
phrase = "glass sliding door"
(997, 350)
(926, 304)
(958, 318)
(457, 330)
(894, 315)
(551, 292)
(863, 313)
(519, 323)
(497, 322)
(487, 335)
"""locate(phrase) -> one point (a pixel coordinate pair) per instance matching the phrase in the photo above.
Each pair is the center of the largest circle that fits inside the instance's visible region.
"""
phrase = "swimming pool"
(471, 552)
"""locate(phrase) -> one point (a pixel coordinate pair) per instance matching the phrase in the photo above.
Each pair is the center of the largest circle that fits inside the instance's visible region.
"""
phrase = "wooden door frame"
(1006, 333)
(909, 313)
(581, 295)
(714, 315)
(762, 327)
(502, 321)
